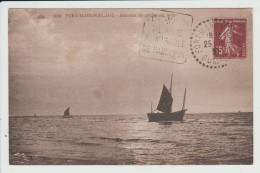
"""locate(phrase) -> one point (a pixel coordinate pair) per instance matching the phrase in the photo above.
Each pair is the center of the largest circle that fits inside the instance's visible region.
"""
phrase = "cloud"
(93, 64)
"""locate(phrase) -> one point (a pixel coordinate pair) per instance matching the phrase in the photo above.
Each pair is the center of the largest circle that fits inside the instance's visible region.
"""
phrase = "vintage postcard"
(156, 86)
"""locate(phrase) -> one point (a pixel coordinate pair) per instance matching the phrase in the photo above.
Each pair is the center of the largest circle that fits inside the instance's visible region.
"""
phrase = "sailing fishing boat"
(165, 106)
(67, 113)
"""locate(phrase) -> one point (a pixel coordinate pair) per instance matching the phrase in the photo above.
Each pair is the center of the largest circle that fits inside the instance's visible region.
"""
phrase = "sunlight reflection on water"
(131, 139)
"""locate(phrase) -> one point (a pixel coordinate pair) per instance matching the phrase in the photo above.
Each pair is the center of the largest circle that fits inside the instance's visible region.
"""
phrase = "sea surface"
(223, 138)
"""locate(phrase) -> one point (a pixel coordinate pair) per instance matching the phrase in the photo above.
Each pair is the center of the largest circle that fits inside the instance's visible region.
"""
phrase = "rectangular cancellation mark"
(166, 36)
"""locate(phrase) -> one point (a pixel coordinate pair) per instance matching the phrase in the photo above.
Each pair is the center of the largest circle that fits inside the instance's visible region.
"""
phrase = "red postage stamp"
(230, 38)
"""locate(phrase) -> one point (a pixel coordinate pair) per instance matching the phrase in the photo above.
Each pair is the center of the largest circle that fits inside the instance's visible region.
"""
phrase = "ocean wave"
(87, 144)
(131, 140)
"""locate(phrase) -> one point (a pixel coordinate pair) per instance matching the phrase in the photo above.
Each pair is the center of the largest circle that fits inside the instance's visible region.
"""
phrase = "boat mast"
(170, 89)
(183, 106)
(151, 107)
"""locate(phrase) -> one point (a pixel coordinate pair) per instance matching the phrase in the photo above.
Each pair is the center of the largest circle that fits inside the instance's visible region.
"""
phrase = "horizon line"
(127, 114)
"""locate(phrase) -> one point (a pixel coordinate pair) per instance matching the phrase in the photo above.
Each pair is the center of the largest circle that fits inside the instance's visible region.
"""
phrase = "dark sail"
(67, 111)
(165, 103)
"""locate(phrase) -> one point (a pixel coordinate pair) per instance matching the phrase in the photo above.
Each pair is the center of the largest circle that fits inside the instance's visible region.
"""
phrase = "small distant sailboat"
(165, 106)
(67, 113)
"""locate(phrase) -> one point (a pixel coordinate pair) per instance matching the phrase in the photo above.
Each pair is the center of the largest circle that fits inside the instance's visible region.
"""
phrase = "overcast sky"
(93, 65)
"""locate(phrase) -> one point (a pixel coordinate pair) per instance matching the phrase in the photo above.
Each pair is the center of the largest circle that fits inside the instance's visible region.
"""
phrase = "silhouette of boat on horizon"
(165, 106)
(67, 113)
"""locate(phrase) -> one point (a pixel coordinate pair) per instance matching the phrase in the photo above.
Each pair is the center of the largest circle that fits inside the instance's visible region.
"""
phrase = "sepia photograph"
(130, 86)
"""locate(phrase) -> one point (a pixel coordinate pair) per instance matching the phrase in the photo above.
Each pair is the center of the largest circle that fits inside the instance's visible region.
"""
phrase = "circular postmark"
(202, 45)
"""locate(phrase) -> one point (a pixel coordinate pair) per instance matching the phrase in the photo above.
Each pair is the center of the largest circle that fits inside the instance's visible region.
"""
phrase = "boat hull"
(67, 116)
(173, 116)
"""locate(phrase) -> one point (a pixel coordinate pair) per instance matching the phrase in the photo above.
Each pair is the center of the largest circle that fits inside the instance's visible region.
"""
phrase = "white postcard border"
(6, 168)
